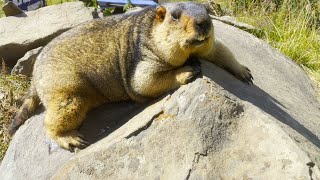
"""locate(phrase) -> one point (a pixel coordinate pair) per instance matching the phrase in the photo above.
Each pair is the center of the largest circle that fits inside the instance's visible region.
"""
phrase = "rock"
(244, 26)
(10, 9)
(19, 34)
(134, 9)
(215, 127)
(164, 1)
(2, 95)
(24, 65)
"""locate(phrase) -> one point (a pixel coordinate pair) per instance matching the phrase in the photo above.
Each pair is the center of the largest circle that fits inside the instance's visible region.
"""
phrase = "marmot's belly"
(110, 84)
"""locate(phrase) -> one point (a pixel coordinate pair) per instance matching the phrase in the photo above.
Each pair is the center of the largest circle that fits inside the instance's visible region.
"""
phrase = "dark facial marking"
(176, 14)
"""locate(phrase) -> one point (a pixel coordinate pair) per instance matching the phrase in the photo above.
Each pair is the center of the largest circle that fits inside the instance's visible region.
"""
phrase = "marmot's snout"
(203, 27)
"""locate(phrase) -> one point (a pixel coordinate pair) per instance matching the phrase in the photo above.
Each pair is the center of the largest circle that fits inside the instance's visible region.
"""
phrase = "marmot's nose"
(203, 25)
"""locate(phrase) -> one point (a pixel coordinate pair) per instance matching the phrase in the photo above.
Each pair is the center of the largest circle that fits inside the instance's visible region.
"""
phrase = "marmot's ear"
(207, 7)
(160, 13)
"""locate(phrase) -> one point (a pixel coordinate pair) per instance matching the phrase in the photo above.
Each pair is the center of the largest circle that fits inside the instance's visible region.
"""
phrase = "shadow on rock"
(107, 118)
(261, 99)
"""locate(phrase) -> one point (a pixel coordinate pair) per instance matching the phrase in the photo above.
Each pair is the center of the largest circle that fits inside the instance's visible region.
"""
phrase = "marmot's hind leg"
(65, 114)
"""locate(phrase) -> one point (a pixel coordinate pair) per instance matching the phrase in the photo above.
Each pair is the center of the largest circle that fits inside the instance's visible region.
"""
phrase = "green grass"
(291, 26)
(1, 12)
(12, 89)
(52, 2)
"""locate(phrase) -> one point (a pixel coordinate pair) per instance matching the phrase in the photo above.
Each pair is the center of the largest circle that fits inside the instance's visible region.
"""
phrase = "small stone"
(1, 95)
(10, 9)
(24, 65)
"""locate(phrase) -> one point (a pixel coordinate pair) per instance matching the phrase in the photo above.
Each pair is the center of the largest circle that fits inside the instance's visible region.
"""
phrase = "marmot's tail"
(30, 104)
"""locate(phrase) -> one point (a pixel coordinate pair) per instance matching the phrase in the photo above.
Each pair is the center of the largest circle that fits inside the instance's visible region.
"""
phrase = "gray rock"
(164, 1)
(213, 128)
(241, 25)
(10, 9)
(19, 34)
(24, 65)
(134, 9)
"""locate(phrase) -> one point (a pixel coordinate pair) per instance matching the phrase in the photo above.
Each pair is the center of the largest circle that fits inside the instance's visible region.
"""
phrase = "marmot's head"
(187, 23)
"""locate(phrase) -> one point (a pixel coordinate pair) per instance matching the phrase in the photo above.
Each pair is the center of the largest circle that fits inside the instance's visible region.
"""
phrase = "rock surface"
(213, 128)
(21, 33)
(241, 25)
(24, 65)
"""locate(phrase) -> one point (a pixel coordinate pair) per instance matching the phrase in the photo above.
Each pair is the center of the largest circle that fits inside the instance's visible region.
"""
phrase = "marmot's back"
(101, 51)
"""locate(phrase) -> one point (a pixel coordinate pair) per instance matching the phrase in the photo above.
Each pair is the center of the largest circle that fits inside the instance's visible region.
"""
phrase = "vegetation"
(12, 89)
(291, 26)
(1, 12)
(52, 2)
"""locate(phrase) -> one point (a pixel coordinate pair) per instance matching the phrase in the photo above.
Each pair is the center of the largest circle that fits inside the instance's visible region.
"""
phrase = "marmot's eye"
(176, 15)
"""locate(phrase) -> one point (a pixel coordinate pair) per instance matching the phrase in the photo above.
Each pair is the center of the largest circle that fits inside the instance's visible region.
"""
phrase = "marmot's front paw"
(244, 74)
(71, 141)
(186, 74)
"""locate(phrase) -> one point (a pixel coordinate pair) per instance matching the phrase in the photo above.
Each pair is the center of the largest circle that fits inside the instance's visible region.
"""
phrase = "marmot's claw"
(197, 71)
(187, 73)
(195, 64)
(82, 144)
(72, 141)
(251, 77)
(245, 75)
(193, 61)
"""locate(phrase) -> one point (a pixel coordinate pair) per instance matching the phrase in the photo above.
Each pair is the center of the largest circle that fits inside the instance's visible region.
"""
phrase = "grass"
(52, 2)
(1, 12)
(12, 89)
(291, 26)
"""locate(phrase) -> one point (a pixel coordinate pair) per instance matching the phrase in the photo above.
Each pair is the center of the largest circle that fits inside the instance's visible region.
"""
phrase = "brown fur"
(136, 56)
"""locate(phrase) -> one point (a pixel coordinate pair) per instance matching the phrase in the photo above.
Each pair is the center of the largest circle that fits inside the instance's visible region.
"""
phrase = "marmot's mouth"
(198, 41)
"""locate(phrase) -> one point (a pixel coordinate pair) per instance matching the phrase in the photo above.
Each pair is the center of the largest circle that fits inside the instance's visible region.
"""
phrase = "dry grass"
(12, 90)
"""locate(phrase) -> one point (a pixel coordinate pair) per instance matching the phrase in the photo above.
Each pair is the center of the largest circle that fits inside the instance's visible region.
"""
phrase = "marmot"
(134, 56)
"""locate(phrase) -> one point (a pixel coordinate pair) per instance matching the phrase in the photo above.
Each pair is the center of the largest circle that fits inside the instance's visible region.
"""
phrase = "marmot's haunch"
(134, 56)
